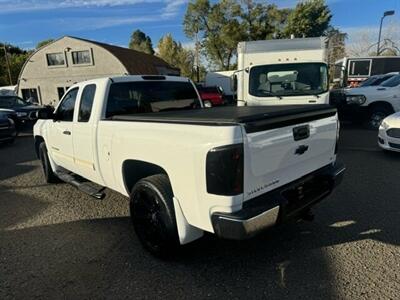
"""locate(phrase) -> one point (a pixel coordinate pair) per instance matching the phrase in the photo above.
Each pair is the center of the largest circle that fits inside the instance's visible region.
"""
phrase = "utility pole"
(385, 14)
(7, 63)
(197, 55)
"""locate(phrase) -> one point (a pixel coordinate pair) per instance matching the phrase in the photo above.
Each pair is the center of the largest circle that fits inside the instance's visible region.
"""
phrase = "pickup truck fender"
(134, 170)
(187, 233)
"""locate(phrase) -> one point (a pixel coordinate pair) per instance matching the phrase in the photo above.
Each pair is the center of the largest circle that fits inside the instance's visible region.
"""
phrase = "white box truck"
(282, 72)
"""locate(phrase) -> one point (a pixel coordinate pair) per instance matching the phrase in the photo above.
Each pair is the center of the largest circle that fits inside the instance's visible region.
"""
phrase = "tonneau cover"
(254, 118)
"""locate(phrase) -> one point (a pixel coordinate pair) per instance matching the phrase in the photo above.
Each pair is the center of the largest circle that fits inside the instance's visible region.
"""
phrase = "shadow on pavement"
(101, 258)
(16, 208)
(16, 159)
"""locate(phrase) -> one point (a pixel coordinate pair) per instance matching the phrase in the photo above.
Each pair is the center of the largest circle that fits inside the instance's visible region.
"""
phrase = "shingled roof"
(136, 62)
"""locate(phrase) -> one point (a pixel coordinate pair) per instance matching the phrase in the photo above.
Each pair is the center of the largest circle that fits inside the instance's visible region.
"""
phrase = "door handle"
(67, 132)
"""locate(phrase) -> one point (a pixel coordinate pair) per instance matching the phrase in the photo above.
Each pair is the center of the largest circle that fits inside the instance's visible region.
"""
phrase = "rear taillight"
(224, 170)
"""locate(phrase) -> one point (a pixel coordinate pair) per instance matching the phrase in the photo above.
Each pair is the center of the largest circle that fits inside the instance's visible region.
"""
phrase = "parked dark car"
(25, 111)
(8, 131)
(211, 96)
(11, 114)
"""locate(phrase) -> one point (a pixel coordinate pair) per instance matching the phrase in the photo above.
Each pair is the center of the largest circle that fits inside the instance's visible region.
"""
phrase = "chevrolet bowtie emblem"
(301, 150)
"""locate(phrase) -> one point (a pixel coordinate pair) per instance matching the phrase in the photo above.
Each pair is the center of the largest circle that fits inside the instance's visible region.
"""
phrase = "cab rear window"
(150, 97)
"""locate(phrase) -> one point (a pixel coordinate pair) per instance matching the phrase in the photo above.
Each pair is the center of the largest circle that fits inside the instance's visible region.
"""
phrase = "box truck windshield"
(294, 79)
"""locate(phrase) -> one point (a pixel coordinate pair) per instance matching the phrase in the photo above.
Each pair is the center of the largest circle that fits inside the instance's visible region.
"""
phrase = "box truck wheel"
(153, 215)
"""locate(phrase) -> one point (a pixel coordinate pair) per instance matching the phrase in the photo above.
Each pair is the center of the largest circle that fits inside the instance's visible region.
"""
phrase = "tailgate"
(277, 156)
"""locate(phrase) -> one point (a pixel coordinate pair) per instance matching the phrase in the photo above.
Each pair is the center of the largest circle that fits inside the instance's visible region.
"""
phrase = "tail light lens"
(224, 170)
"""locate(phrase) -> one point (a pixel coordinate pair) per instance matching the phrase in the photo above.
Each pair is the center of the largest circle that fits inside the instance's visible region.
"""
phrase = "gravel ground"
(56, 242)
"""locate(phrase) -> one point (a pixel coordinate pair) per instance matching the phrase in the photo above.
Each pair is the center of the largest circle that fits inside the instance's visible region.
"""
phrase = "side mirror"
(234, 83)
(45, 114)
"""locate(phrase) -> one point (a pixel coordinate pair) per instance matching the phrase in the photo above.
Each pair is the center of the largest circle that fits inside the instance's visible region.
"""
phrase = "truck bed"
(254, 118)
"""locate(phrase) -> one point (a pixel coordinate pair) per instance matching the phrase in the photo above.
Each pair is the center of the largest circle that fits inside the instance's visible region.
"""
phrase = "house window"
(81, 57)
(30, 93)
(55, 59)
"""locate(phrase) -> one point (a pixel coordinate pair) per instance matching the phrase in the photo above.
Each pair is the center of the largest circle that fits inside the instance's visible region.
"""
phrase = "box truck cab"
(282, 72)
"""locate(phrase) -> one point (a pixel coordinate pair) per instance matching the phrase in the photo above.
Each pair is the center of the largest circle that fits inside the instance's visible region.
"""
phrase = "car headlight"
(384, 125)
(356, 99)
(21, 114)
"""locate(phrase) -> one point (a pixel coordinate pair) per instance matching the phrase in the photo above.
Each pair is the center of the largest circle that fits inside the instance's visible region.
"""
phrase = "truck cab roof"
(148, 77)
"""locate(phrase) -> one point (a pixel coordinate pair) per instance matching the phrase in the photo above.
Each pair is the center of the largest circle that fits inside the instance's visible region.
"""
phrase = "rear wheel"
(48, 173)
(376, 116)
(153, 215)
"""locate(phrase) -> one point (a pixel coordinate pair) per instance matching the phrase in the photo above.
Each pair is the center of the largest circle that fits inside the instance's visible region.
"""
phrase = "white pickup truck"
(232, 171)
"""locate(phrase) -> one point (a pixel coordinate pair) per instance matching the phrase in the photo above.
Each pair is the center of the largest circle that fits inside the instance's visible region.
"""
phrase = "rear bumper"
(279, 205)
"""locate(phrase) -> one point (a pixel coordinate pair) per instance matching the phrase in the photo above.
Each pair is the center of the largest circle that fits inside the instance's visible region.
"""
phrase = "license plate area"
(305, 193)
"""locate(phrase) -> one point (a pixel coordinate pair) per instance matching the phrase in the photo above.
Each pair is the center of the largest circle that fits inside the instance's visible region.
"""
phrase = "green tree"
(16, 58)
(310, 18)
(218, 27)
(336, 47)
(262, 21)
(176, 55)
(141, 42)
(44, 43)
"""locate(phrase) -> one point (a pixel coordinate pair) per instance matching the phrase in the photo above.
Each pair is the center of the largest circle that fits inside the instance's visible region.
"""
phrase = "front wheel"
(48, 173)
(153, 215)
(376, 116)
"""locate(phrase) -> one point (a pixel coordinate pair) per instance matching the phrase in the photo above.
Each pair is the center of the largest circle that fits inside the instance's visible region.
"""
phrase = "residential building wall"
(48, 80)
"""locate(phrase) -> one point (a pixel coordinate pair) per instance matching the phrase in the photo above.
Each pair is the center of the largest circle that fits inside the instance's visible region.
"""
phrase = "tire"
(376, 116)
(15, 134)
(153, 215)
(49, 175)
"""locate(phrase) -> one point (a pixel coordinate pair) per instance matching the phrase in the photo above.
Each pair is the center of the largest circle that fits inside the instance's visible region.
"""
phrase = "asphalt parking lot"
(56, 242)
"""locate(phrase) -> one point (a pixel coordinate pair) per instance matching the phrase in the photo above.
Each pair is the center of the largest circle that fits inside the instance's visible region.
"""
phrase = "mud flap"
(187, 233)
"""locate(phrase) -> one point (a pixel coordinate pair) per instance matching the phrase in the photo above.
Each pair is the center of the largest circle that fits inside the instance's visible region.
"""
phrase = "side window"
(85, 108)
(65, 111)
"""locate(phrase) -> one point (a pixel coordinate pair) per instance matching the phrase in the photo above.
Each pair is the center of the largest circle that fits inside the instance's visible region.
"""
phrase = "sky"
(26, 22)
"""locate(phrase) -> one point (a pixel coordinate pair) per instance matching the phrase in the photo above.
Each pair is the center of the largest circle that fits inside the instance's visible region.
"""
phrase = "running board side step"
(82, 184)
